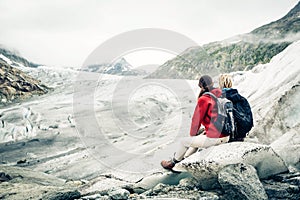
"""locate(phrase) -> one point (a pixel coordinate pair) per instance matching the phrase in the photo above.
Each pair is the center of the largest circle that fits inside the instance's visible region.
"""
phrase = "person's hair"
(225, 81)
(206, 83)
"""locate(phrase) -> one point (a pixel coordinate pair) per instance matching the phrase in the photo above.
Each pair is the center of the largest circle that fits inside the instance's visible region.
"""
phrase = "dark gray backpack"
(242, 114)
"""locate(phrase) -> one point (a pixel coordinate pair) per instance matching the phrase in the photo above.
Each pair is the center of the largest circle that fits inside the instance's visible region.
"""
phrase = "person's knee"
(186, 142)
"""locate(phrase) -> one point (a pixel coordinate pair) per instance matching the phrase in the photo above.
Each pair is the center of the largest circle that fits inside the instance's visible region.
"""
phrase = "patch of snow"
(7, 60)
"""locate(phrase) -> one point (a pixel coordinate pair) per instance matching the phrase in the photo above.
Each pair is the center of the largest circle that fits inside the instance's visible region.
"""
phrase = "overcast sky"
(65, 32)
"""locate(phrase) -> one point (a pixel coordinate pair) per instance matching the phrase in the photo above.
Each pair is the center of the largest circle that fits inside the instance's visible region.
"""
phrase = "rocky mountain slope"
(282, 28)
(241, 52)
(16, 85)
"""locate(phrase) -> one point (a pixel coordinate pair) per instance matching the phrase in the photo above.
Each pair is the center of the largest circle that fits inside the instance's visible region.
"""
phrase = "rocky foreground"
(228, 171)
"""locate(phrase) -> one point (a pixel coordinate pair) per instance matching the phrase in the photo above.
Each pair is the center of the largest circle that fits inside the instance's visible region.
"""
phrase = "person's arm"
(198, 116)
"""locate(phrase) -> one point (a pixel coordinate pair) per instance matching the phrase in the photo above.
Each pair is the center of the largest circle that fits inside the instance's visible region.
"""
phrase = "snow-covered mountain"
(13, 59)
(21, 79)
(119, 67)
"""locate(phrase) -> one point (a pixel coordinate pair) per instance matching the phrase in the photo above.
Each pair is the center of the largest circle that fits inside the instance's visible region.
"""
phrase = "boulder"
(206, 164)
(240, 181)
(164, 191)
(283, 186)
(152, 180)
(288, 148)
(119, 193)
(27, 184)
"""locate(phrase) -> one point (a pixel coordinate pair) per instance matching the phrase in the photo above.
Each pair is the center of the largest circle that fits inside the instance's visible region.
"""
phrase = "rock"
(294, 181)
(30, 176)
(152, 180)
(55, 126)
(62, 195)
(240, 181)
(119, 193)
(189, 183)
(283, 186)
(206, 164)
(163, 191)
(4, 177)
(15, 84)
(142, 196)
(21, 161)
(91, 197)
(161, 188)
(28, 184)
(280, 191)
(288, 148)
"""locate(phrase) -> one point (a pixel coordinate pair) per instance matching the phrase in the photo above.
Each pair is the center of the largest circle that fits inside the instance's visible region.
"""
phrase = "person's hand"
(201, 131)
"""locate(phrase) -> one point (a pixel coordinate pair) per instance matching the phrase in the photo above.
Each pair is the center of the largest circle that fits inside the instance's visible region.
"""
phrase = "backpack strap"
(212, 95)
(215, 98)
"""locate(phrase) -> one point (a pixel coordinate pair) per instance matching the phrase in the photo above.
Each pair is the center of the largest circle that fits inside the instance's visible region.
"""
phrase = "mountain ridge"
(13, 59)
(238, 53)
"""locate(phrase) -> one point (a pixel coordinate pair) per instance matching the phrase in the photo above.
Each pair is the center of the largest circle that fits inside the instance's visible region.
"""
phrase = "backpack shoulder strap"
(215, 98)
(211, 94)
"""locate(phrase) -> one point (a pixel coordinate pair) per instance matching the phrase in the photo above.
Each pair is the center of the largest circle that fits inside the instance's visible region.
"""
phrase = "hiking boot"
(168, 164)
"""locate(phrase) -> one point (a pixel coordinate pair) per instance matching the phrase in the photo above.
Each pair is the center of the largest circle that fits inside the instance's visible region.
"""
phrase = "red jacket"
(206, 110)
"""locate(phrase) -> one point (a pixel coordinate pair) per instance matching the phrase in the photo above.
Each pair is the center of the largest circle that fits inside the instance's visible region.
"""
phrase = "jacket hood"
(232, 94)
(217, 92)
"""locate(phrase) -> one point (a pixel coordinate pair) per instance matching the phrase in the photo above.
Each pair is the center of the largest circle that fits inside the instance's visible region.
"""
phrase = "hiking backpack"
(242, 114)
(225, 120)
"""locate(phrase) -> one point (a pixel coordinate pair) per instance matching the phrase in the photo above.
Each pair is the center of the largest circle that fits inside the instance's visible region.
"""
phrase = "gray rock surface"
(240, 181)
(15, 84)
(283, 186)
(28, 184)
(152, 180)
(288, 148)
(119, 193)
(206, 164)
(163, 191)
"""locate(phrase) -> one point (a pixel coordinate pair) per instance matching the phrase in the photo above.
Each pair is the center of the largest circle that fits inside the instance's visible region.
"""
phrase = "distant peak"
(294, 12)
